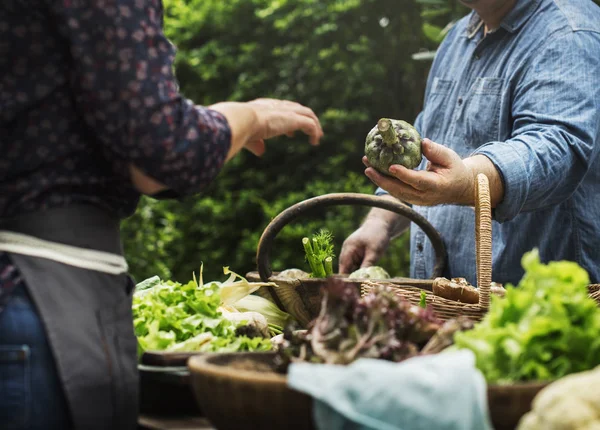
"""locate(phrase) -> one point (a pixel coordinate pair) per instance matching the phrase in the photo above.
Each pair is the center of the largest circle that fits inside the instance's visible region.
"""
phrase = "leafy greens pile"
(544, 329)
(203, 317)
(378, 325)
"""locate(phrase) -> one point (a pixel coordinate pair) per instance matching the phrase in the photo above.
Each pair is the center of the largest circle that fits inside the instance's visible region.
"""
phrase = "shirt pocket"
(436, 109)
(482, 111)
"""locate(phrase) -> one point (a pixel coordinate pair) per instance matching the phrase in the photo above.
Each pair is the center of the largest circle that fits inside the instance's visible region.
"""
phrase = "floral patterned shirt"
(87, 88)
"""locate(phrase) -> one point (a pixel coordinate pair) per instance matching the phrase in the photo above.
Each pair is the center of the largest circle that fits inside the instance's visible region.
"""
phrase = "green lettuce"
(543, 329)
(187, 317)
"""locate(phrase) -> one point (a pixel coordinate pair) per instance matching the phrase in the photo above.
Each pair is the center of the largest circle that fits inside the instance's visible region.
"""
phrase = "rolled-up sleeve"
(556, 126)
(126, 91)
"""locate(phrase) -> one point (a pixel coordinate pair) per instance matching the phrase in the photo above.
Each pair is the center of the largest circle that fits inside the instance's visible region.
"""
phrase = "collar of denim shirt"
(512, 22)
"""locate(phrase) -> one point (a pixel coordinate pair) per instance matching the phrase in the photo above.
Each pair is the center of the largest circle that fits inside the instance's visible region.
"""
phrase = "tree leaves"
(333, 56)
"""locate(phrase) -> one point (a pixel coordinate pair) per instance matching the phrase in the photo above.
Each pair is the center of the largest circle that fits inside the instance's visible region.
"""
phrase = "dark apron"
(87, 316)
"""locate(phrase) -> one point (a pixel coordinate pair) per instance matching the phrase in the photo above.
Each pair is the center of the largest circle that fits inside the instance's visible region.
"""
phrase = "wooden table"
(150, 422)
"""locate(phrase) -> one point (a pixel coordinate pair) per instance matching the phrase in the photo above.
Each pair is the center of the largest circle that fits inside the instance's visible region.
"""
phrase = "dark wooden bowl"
(166, 391)
(508, 403)
(235, 399)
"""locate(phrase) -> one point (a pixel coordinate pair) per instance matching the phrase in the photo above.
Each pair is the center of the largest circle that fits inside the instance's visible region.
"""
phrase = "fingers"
(438, 154)
(418, 179)
(310, 128)
(257, 147)
(393, 186)
(285, 117)
(350, 258)
(288, 105)
(302, 110)
(346, 265)
(371, 258)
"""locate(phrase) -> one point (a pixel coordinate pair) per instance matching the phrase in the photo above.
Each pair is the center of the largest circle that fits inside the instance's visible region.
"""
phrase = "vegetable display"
(542, 330)
(378, 325)
(169, 316)
(392, 142)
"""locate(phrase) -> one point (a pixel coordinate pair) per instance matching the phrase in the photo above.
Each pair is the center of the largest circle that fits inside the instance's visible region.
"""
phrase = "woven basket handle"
(276, 225)
(483, 239)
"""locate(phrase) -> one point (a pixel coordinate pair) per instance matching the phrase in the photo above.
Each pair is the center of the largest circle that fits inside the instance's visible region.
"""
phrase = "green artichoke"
(373, 272)
(391, 142)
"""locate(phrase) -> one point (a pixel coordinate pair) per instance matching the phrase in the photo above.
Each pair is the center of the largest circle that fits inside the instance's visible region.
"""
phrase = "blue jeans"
(31, 396)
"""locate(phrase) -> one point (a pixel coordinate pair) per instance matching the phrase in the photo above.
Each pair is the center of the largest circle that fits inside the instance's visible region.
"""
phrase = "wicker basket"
(509, 403)
(302, 297)
(594, 290)
(447, 309)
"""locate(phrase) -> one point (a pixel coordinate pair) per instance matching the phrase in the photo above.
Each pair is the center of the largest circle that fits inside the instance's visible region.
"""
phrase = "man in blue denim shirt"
(514, 92)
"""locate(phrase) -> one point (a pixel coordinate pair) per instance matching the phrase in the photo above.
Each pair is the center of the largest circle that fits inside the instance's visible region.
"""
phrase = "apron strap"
(89, 259)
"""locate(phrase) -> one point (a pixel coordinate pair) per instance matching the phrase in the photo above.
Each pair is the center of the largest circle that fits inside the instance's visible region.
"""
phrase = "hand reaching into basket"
(366, 245)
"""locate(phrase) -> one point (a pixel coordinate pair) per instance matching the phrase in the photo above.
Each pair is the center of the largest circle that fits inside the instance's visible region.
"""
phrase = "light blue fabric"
(441, 392)
(527, 96)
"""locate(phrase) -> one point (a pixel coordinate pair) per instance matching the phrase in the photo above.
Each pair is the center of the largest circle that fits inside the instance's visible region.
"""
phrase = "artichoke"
(392, 142)
(293, 274)
(373, 272)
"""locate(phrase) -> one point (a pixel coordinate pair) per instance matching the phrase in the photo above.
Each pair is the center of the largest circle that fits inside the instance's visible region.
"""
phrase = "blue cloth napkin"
(438, 392)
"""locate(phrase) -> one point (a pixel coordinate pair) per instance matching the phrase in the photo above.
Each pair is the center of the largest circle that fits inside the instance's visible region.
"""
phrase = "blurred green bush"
(352, 61)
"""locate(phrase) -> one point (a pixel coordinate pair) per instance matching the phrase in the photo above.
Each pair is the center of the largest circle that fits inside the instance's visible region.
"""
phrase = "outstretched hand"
(282, 117)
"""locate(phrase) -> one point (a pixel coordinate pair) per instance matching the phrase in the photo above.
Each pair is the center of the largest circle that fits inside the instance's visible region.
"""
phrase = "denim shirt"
(527, 96)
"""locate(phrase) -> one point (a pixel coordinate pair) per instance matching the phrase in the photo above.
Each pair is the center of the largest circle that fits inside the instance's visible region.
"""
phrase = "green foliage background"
(350, 60)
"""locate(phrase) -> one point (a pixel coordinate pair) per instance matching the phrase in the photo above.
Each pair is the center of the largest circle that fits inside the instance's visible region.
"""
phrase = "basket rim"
(431, 299)
(344, 277)
(514, 386)
(202, 364)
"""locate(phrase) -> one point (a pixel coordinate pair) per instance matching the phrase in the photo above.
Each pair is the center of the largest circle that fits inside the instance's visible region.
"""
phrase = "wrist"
(382, 218)
(482, 164)
(243, 122)
(467, 196)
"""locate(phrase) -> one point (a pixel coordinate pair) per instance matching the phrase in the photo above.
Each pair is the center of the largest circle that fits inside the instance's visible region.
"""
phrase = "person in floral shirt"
(91, 114)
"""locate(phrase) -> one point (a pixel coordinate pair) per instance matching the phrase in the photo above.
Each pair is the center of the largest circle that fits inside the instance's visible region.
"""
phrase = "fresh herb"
(545, 328)
(319, 253)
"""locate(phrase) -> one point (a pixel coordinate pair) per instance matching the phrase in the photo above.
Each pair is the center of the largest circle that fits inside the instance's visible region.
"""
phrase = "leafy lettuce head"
(543, 329)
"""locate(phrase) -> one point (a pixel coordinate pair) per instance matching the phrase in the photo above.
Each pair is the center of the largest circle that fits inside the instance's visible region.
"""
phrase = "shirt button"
(460, 101)
(476, 56)
(420, 247)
